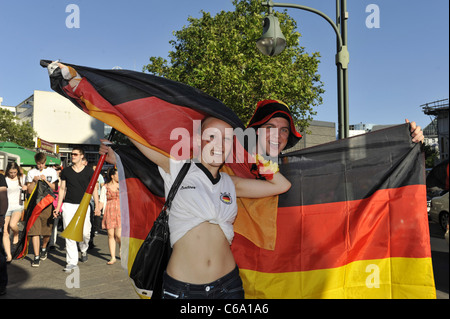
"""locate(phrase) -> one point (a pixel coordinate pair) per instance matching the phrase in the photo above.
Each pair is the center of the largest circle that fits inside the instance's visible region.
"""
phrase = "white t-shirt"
(48, 172)
(200, 198)
(14, 194)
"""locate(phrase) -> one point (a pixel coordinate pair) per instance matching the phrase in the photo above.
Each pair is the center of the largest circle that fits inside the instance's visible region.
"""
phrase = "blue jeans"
(227, 287)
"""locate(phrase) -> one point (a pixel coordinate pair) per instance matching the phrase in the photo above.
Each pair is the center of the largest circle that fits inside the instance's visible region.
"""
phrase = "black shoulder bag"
(153, 255)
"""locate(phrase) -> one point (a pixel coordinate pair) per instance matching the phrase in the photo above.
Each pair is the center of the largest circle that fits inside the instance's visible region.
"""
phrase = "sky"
(394, 67)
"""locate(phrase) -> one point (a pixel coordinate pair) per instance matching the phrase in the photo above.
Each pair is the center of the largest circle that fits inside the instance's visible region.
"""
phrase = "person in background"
(16, 198)
(74, 182)
(44, 224)
(110, 203)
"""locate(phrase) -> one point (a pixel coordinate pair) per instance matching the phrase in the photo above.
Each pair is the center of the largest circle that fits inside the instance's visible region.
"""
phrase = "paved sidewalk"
(96, 279)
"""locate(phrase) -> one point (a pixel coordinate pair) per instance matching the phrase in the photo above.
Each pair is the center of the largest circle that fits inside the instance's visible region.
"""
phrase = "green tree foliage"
(218, 55)
(11, 130)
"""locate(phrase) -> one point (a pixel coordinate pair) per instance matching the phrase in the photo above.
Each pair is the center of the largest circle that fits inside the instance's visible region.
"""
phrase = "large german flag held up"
(353, 225)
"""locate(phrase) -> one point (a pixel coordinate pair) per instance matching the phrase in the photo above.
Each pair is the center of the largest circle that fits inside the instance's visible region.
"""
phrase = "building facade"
(318, 132)
(439, 109)
(58, 121)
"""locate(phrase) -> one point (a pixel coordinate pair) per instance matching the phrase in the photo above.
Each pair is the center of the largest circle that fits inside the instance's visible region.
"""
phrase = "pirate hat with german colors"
(267, 109)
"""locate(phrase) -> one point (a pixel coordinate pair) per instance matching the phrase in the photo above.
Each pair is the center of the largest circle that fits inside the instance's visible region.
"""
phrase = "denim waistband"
(204, 287)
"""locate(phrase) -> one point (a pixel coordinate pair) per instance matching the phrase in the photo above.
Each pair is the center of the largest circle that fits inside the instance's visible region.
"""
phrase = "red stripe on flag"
(158, 119)
(150, 118)
(390, 223)
(37, 210)
(144, 207)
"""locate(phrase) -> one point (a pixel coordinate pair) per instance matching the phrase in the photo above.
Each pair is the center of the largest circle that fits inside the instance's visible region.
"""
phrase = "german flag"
(41, 197)
(142, 106)
(141, 201)
(353, 225)
(147, 109)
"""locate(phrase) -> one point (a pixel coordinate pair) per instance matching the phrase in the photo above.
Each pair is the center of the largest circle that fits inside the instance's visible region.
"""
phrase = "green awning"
(52, 161)
(26, 156)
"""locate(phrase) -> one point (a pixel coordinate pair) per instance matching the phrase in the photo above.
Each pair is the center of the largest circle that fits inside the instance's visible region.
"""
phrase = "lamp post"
(272, 42)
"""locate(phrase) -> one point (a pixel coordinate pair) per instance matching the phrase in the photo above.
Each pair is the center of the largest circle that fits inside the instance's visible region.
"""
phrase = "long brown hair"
(14, 165)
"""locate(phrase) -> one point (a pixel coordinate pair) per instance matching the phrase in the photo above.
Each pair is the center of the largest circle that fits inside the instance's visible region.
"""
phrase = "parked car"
(439, 210)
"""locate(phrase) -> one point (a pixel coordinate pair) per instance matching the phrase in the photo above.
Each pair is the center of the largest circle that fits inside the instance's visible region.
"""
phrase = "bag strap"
(176, 185)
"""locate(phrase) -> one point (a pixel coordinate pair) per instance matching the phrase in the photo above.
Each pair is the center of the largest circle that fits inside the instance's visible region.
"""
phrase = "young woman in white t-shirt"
(16, 188)
(200, 219)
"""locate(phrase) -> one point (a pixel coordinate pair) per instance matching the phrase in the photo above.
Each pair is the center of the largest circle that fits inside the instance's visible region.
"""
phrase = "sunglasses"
(74, 154)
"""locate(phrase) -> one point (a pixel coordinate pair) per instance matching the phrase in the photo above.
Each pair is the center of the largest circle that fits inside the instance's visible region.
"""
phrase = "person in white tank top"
(16, 188)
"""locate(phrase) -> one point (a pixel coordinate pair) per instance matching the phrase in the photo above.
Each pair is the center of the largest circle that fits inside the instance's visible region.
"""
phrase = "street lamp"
(272, 42)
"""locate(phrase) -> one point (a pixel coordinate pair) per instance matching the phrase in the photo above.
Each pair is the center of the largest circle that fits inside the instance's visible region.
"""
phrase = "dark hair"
(110, 173)
(79, 148)
(40, 157)
(14, 165)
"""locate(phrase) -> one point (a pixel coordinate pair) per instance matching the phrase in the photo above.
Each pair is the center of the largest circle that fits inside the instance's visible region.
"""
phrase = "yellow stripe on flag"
(398, 278)
(133, 248)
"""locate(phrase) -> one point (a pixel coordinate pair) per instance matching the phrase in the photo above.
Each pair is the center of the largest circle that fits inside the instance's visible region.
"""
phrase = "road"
(94, 280)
